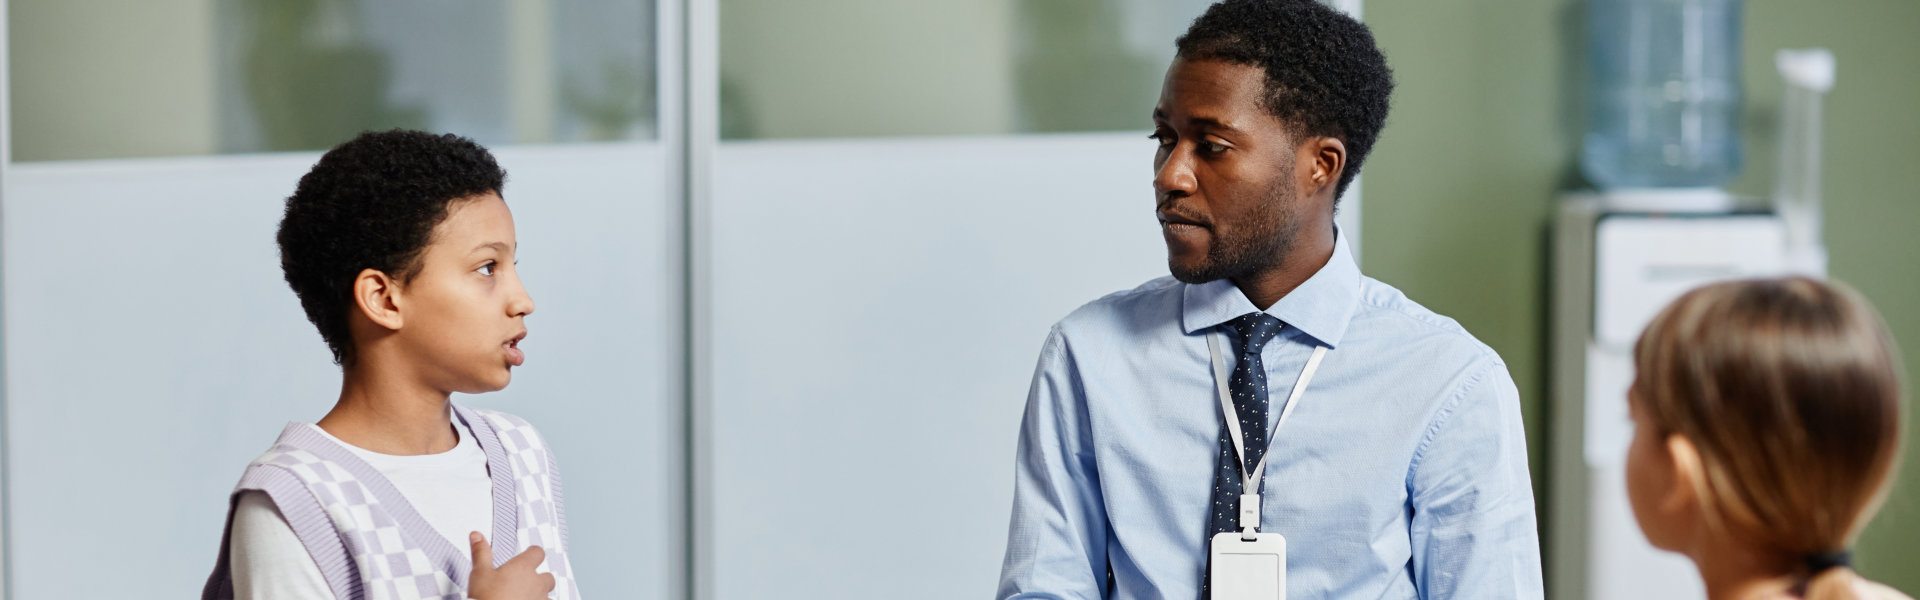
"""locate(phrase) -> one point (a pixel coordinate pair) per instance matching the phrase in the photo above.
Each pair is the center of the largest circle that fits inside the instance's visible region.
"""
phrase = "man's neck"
(386, 410)
(1309, 254)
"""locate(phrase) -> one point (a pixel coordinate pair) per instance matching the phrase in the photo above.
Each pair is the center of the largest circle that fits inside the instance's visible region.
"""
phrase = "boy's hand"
(514, 580)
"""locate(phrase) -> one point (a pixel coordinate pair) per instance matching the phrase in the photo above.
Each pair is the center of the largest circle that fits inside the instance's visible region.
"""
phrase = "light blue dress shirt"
(1402, 473)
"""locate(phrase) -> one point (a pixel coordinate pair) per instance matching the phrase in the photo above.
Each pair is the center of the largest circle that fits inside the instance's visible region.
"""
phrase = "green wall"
(1484, 133)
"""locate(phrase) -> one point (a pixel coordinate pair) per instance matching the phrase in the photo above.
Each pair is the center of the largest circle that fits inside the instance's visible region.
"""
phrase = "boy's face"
(465, 309)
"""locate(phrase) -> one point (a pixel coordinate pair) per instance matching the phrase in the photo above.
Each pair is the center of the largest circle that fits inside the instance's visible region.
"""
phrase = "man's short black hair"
(372, 203)
(1325, 76)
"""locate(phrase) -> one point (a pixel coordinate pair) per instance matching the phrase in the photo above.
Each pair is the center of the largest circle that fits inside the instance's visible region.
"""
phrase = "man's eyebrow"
(1212, 123)
(1203, 122)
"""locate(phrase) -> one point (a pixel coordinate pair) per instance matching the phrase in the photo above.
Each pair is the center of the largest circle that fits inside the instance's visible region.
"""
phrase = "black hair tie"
(1819, 562)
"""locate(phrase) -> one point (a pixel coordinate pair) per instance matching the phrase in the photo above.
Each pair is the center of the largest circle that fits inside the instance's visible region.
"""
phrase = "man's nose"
(1174, 176)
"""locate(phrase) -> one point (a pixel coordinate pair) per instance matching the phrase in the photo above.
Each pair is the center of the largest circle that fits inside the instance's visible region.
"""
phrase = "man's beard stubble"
(1259, 246)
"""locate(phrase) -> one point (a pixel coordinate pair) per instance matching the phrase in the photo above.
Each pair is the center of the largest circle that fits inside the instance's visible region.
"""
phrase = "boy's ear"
(377, 295)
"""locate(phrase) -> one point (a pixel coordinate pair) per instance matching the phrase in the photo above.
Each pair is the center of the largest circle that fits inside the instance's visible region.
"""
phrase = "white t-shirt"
(451, 490)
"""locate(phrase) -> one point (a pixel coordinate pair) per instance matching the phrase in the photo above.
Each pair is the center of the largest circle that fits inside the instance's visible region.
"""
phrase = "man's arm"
(1473, 528)
(1057, 542)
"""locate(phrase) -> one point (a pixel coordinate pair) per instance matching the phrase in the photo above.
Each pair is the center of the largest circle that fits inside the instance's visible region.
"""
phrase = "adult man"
(1401, 470)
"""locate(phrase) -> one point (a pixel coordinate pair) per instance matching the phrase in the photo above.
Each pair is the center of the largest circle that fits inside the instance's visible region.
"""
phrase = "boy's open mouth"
(516, 356)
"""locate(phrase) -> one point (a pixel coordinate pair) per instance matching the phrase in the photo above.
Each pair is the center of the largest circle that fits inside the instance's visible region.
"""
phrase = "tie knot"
(1255, 329)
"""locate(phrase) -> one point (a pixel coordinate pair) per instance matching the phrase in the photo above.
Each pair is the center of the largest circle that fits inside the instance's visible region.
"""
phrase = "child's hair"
(372, 203)
(1790, 389)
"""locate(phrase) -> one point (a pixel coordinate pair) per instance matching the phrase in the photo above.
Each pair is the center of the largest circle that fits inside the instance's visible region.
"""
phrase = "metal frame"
(1348, 217)
(696, 134)
(669, 64)
(6, 166)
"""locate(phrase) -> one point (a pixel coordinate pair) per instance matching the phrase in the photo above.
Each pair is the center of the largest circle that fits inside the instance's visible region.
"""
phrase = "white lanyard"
(1250, 482)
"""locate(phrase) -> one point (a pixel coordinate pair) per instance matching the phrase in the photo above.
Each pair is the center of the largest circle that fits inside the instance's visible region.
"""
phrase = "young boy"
(401, 251)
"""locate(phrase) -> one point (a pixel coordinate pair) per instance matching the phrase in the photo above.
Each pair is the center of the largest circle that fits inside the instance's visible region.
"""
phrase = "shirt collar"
(1321, 307)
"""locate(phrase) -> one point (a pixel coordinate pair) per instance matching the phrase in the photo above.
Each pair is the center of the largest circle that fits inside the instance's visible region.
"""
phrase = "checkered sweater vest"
(370, 543)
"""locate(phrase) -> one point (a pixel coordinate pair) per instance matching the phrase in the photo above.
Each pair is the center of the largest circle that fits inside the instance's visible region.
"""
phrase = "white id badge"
(1249, 570)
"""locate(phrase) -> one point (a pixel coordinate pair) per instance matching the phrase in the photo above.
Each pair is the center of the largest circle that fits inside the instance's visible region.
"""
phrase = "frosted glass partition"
(152, 350)
(878, 308)
(861, 68)
(153, 78)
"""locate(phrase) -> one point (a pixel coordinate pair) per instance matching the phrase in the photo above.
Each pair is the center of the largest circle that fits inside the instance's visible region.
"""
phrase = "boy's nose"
(521, 305)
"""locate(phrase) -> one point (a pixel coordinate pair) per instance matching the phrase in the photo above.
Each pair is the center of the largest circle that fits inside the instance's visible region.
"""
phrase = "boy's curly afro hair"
(372, 203)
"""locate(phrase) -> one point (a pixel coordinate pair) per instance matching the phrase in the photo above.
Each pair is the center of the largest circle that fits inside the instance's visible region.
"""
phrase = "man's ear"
(378, 296)
(1326, 159)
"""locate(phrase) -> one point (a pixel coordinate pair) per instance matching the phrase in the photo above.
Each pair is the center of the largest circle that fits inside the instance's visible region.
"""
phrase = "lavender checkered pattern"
(390, 568)
(536, 481)
(370, 543)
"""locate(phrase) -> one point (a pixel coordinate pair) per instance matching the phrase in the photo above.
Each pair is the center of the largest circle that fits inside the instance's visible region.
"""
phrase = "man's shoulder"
(1387, 314)
(1158, 298)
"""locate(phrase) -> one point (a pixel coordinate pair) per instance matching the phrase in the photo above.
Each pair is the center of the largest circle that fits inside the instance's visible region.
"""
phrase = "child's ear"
(1689, 476)
(378, 297)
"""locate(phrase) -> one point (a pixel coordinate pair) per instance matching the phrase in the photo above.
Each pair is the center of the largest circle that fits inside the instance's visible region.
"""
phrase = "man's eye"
(1161, 138)
(1213, 148)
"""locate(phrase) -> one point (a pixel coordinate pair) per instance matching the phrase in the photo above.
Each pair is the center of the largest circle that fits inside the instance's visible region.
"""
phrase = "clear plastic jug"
(1664, 94)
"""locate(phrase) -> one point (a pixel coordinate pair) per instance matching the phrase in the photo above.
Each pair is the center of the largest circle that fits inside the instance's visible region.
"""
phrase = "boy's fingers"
(546, 580)
(531, 558)
(482, 551)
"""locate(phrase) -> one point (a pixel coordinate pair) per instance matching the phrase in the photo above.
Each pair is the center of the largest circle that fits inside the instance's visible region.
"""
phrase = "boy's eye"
(487, 269)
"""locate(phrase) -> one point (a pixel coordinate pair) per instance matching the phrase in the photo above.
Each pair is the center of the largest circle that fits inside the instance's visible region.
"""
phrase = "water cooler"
(1619, 257)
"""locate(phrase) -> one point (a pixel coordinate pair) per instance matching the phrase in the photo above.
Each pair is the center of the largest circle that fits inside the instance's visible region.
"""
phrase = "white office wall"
(152, 350)
(878, 308)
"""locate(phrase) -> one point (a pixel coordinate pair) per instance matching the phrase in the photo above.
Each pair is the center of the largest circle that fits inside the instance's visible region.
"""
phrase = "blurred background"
(794, 260)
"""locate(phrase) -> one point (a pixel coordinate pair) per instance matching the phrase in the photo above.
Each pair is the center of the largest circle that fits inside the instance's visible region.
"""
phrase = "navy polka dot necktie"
(1248, 387)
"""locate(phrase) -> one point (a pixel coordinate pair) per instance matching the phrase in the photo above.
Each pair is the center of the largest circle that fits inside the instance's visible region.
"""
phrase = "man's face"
(465, 309)
(1224, 182)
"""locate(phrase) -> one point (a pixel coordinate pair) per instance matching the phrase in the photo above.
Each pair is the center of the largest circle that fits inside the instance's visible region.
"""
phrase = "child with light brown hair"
(1767, 420)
